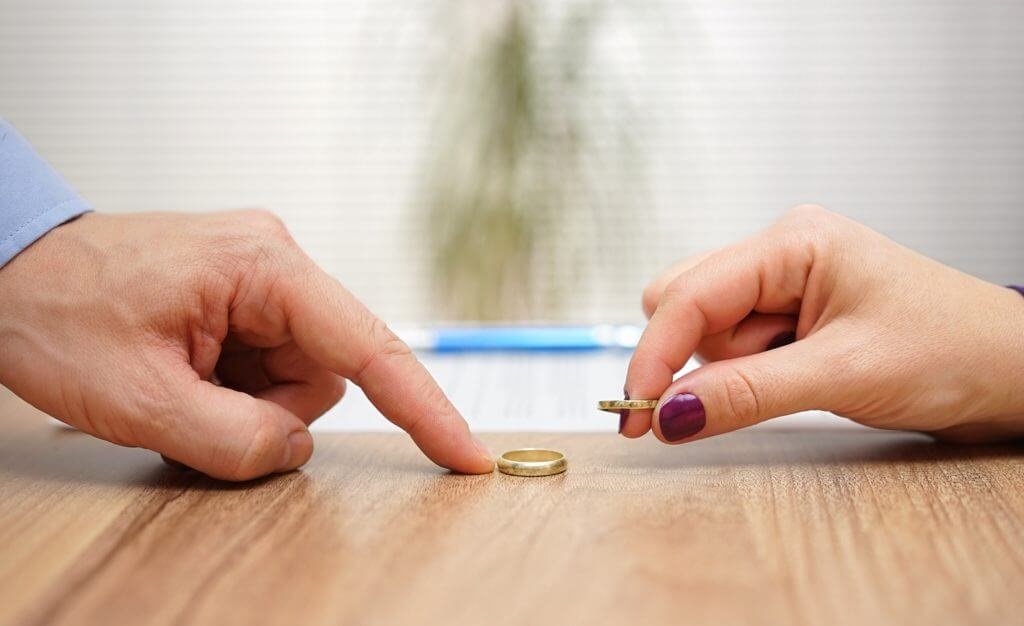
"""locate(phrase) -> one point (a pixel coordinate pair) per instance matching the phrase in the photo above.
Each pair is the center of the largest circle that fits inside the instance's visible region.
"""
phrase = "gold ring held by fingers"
(615, 406)
(532, 462)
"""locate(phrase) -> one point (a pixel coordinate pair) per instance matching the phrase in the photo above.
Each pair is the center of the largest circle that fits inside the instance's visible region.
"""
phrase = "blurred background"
(494, 159)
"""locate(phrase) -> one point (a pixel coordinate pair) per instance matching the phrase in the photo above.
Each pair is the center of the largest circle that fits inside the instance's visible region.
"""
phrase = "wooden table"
(798, 527)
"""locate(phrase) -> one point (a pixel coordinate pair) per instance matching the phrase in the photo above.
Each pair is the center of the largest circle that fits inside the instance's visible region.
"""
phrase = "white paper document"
(529, 391)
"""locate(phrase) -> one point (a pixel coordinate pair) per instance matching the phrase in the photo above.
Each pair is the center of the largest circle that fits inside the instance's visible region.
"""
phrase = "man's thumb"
(231, 435)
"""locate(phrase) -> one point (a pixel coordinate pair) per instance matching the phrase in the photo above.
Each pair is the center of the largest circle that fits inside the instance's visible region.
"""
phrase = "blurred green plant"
(516, 160)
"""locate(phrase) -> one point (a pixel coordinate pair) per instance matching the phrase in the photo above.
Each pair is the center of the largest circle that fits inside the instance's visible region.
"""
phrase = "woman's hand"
(210, 339)
(819, 312)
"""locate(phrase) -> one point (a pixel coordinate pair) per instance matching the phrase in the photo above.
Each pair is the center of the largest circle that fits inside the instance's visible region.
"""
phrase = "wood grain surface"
(769, 527)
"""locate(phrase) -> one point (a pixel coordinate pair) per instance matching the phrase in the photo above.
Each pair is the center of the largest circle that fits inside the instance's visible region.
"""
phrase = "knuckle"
(266, 225)
(337, 390)
(813, 225)
(248, 257)
(679, 295)
(385, 345)
(259, 454)
(254, 246)
(742, 398)
(263, 217)
(243, 249)
(651, 297)
(674, 290)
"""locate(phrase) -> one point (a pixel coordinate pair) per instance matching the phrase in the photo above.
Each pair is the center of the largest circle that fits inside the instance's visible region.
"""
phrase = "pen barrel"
(514, 338)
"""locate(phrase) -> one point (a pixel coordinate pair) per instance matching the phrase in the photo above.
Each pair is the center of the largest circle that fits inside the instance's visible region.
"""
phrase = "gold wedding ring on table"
(532, 462)
(614, 406)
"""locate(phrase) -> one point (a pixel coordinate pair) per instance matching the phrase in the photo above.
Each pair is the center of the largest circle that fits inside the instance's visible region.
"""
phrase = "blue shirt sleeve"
(33, 197)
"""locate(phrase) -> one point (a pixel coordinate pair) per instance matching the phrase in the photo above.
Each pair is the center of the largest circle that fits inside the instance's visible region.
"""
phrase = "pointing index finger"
(336, 330)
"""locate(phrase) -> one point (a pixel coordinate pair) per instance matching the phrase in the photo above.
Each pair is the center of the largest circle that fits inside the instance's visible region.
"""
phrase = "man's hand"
(213, 340)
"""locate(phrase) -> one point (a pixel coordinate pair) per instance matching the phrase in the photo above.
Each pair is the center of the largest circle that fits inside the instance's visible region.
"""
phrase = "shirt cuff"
(26, 234)
(33, 197)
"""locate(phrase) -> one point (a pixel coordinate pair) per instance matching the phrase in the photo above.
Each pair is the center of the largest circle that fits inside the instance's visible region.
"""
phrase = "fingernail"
(623, 413)
(681, 416)
(482, 449)
(300, 448)
(782, 339)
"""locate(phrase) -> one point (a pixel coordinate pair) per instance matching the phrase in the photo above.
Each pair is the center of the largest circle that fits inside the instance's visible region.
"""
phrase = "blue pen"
(520, 338)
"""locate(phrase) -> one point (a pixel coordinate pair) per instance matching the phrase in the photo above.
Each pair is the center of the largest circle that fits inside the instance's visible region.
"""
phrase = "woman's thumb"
(727, 395)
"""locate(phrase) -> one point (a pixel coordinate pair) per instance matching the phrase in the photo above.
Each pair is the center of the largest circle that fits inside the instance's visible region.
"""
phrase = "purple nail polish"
(782, 339)
(623, 413)
(681, 416)
(1017, 288)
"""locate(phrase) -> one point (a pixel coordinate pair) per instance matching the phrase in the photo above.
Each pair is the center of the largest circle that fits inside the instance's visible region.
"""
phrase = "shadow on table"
(66, 455)
(69, 456)
(810, 446)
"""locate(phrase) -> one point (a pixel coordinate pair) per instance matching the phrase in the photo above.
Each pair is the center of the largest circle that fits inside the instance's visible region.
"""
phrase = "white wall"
(908, 116)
